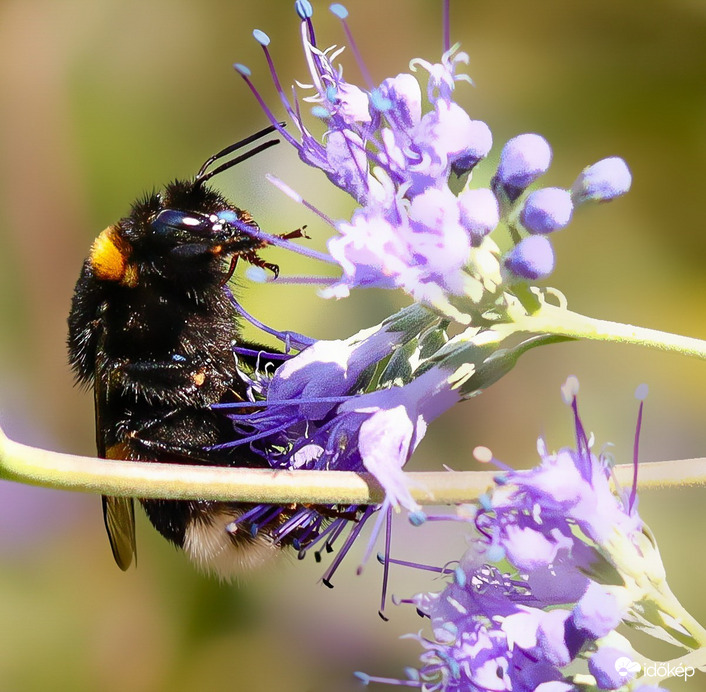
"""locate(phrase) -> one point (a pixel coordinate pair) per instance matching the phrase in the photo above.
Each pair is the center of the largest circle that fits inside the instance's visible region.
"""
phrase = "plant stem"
(549, 319)
(25, 464)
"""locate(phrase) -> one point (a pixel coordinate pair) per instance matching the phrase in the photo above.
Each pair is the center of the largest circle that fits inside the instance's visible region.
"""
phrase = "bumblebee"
(151, 330)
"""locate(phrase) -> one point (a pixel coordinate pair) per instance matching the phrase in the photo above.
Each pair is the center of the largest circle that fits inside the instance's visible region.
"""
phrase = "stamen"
(276, 510)
(582, 445)
(254, 513)
(260, 276)
(284, 402)
(303, 8)
(292, 194)
(352, 536)
(268, 239)
(446, 517)
(289, 339)
(446, 24)
(305, 11)
(386, 564)
(241, 350)
(341, 12)
(299, 517)
(483, 455)
(301, 544)
(569, 393)
(337, 526)
(244, 72)
(328, 547)
(416, 565)
(367, 679)
(641, 394)
(373, 538)
(264, 40)
(251, 438)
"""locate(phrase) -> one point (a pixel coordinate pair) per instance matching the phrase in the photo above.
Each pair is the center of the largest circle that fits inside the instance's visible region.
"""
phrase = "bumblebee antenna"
(202, 176)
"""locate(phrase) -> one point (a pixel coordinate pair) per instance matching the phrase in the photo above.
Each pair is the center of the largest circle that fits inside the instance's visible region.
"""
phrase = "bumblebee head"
(188, 233)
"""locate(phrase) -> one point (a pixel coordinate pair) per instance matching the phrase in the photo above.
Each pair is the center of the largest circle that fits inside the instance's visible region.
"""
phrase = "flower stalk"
(25, 464)
(550, 319)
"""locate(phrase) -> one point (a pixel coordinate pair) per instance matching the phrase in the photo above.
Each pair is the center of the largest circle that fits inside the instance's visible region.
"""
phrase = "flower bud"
(480, 141)
(603, 181)
(547, 210)
(532, 258)
(523, 159)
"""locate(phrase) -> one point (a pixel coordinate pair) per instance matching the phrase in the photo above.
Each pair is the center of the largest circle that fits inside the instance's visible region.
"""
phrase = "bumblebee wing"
(118, 512)
(119, 516)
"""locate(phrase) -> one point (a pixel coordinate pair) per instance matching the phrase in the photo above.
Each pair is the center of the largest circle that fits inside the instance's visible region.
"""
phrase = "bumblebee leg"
(297, 233)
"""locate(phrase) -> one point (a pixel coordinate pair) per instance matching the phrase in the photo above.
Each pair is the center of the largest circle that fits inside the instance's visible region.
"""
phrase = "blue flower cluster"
(329, 408)
(558, 561)
(397, 149)
(363, 404)
(559, 556)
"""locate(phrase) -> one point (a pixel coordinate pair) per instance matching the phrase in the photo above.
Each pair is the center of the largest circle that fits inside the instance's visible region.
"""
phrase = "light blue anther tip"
(304, 8)
(339, 10)
(417, 518)
(228, 216)
(261, 37)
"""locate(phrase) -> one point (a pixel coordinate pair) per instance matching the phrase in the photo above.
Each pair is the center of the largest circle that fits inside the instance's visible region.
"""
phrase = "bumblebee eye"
(181, 224)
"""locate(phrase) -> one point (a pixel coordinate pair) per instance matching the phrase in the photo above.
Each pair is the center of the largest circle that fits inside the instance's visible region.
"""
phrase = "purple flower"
(396, 163)
(572, 549)
(605, 667)
(479, 213)
(529, 549)
(532, 258)
(390, 424)
(445, 140)
(547, 210)
(523, 159)
(398, 150)
(424, 252)
(597, 612)
(312, 413)
(375, 432)
(400, 99)
(602, 181)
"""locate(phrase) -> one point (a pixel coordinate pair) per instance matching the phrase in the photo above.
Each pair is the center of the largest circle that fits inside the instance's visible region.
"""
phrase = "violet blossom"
(558, 560)
(406, 150)
(399, 147)
(329, 408)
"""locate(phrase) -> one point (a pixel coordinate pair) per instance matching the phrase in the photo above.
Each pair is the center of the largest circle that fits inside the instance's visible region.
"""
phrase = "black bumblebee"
(151, 329)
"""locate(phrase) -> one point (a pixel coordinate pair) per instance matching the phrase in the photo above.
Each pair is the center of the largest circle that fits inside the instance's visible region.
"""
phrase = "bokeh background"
(101, 101)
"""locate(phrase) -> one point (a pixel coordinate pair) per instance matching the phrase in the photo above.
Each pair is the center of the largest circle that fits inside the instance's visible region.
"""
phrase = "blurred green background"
(101, 101)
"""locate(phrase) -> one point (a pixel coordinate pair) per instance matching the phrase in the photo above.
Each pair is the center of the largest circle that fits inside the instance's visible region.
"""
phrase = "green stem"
(669, 604)
(549, 319)
(33, 466)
